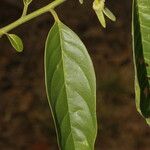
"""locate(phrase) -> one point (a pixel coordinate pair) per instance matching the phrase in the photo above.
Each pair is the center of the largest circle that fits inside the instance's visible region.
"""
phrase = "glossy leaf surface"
(141, 53)
(16, 42)
(71, 89)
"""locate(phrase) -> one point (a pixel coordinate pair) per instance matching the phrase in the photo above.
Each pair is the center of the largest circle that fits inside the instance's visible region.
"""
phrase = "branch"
(32, 15)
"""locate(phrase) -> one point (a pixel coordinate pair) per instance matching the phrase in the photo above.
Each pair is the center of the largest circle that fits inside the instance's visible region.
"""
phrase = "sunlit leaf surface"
(71, 89)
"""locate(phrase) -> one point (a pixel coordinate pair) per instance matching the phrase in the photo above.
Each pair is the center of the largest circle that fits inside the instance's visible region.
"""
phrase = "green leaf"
(98, 7)
(141, 55)
(100, 10)
(148, 121)
(81, 1)
(16, 42)
(101, 17)
(27, 2)
(109, 14)
(71, 89)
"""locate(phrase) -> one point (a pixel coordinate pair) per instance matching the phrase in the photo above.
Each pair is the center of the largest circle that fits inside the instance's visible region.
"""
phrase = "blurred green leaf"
(81, 1)
(148, 121)
(71, 88)
(16, 42)
(141, 55)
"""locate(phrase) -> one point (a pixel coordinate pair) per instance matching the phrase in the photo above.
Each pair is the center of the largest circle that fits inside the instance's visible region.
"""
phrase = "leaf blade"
(81, 1)
(109, 14)
(74, 80)
(27, 2)
(141, 56)
(101, 17)
(16, 42)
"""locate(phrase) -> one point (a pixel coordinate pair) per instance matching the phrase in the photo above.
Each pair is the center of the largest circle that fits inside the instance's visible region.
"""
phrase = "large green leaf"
(141, 53)
(71, 89)
(27, 2)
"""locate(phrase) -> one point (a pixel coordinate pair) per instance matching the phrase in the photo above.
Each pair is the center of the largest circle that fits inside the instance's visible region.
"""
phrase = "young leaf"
(71, 88)
(148, 121)
(16, 42)
(81, 1)
(141, 55)
(100, 10)
(98, 6)
(27, 2)
(109, 14)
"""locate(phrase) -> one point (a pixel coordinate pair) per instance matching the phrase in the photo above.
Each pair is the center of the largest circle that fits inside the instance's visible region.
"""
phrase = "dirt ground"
(25, 119)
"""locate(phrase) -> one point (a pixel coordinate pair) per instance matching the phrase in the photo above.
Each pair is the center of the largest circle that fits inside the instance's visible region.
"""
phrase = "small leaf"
(101, 17)
(81, 1)
(141, 56)
(16, 42)
(109, 14)
(98, 7)
(27, 2)
(100, 10)
(71, 88)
